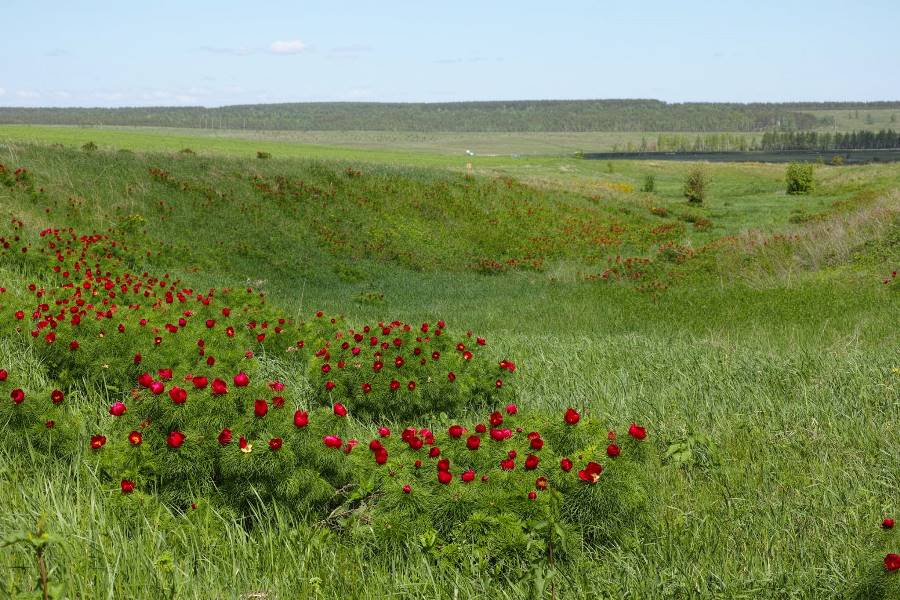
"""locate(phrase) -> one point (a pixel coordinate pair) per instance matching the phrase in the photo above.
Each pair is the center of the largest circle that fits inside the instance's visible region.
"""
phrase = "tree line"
(813, 140)
(517, 116)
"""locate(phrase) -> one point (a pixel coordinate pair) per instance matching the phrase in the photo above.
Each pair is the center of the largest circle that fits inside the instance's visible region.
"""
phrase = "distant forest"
(811, 140)
(517, 116)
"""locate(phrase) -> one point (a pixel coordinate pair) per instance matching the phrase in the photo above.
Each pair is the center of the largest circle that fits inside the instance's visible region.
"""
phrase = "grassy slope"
(789, 376)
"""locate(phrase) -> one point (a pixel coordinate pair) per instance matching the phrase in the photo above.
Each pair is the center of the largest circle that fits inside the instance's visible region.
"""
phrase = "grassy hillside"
(758, 349)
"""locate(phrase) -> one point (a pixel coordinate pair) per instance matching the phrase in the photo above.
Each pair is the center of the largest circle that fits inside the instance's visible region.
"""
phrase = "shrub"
(799, 178)
(696, 186)
(89, 147)
(263, 155)
(837, 160)
(649, 184)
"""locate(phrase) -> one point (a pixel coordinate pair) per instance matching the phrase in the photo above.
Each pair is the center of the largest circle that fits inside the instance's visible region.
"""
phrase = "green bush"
(696, 186)
(649, 184)
(800, 178)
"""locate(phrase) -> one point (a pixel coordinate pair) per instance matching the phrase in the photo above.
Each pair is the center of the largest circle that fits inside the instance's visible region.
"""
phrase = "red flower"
(135, 438)
(97, 441)
(384, 431)
(637, 432)
(571, 417)
(531, 462)
(892, 562)
(444, 477)
(451, 376)
(366, 388)
(565, 464)
(532, 495)
(275, 444)
(157, 388)
(511, 409)
(590, 473)
(480, 428)
(117, 409)
(178, 395)
(127, 486)
(467, 476)
(219, 387)
(541, 483)
(339, 409)
(332, 441)
(165, 374)
(3, 374)
(241, 380)
(496, 419)
(443, 465)
(537, 443)
(395, 385)
(473, 442)
(278, 401)
(613, 451)
(301, 418)
(17, 395)
(175, 439)
(455, 431)
(225, 437)
(381, 456)
(200, 382)
(260, 408)
(406, 489)
(887, 524)
(507, 464)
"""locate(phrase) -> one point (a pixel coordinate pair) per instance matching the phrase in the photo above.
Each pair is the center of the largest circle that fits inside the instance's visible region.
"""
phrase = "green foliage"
(649, 185)
(89, 147)
(696, 186)
(800, 178)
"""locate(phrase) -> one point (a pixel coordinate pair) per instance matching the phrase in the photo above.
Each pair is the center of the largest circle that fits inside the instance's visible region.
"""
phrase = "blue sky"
(116, 53)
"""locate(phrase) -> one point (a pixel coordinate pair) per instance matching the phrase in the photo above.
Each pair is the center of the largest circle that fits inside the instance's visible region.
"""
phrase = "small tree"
(89, 147)
(696, 186)
(649, 184)
(799, 178)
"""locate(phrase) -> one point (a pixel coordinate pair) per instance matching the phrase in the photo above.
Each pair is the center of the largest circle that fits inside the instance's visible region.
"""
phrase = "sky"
(213, 53)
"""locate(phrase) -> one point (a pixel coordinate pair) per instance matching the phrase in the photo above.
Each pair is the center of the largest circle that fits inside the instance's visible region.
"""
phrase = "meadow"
(753, 338)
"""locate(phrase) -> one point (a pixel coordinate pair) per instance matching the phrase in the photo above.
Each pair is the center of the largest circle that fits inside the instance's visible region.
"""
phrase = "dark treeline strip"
(517, 116)
(812, 140)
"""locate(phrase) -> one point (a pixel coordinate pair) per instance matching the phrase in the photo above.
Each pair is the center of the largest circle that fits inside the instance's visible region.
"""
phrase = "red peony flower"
(451, 376)
(443, 465)
(157, 388)
(434, 452)
(531, 462)
(637, 432)
(507, 464)
(3, 374)
(275, 444)
(590, 473)
(301, 418)
(241, 380)
(511, 409)
(17, 395)
(219, 387)
(339, 409)
(892, 562)
(175, 439)
(199, 382)
(455, 431)
(366, 388)
(97, 441)
(444, 477)
(537, 443)
(395, 385)
(467, 476)
(473, 442)
(332, 441)
(127, 486)
(260, 408)
(480, 428)
(613, 451)
(496, 419)
(887, 524)
(571, 417)
(178, 395)
(278, 401)
(565, 464)
(165, 374)
(117, 409)
(384, 431)
(532, 495)
(541, 483)
(135, 438)
(225, 437)
(406, 489)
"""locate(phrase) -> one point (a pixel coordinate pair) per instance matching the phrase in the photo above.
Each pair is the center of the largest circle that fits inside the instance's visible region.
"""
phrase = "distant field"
(860, 120)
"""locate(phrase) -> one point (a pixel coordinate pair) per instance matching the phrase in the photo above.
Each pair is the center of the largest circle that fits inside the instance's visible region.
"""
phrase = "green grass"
(781, 353)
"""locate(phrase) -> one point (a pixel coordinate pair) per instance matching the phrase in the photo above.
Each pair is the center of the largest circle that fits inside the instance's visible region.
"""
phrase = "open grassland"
(755, 337)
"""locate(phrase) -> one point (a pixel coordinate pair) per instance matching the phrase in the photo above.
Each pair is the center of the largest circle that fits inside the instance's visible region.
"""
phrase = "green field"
(756, 340)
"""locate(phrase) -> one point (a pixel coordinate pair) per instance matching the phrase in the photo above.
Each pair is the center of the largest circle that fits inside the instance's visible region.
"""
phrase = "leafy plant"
(696, 186)
(800, 178)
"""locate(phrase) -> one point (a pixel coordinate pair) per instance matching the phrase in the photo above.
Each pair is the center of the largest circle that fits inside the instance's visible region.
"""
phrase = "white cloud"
(287, 47)
(27, 94)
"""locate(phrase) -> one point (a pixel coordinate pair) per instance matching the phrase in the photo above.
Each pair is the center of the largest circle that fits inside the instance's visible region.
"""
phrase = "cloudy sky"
(91, 53)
